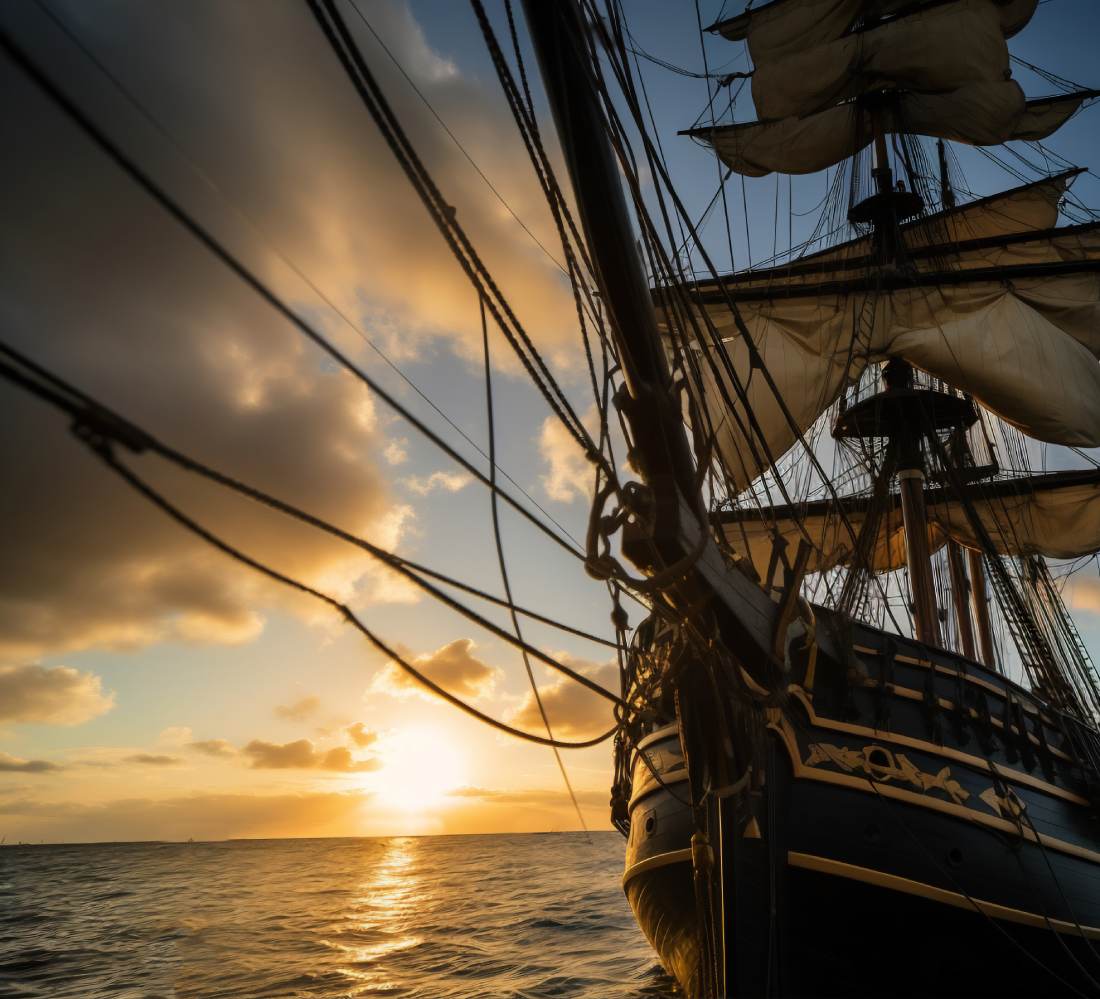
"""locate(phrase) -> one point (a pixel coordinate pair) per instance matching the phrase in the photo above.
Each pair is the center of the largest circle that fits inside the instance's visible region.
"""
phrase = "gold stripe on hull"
(660, 860)
(893, 882)
(804, 772)
(1004, 772)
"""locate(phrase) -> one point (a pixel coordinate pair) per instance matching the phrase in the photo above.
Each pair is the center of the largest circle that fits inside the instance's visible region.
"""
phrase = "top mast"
(561, 43)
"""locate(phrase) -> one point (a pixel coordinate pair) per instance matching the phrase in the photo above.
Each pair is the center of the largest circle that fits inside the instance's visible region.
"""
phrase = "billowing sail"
(933, 50)
(1056, 515)
(781, 27)
(981, 114)
(1013, 319)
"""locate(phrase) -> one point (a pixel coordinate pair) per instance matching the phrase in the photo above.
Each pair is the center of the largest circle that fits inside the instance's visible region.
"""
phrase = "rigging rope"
(503, 564)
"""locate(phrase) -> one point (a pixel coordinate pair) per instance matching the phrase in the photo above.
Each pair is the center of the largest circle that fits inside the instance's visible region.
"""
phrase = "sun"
(420, 766)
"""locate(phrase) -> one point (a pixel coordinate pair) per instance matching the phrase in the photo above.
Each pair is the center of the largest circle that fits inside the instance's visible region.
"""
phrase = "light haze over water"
(446, 916)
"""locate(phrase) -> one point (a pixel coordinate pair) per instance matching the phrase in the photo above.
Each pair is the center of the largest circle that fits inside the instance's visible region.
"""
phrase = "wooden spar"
(660, 442)
(915, 518)
(981, 608)
(660, 448)
(960, 592)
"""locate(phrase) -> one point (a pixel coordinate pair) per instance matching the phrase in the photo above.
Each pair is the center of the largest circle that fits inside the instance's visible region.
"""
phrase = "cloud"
(569, 475)
(361, 736)
(175, 735)
(301, 755)
(1083, 594)
(59, 695)
(452, 666)
(396, 452)
(157, 328)
(574, 711)
(213, 747)
(300, 709)
(153, 760)
(13, 764)
(451, 482)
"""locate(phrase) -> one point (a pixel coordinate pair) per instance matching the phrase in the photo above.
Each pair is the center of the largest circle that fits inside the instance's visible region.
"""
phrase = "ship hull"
(907, 845)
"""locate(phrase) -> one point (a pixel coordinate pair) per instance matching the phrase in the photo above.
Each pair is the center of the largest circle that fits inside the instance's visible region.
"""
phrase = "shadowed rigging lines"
(100, 428)
(118, 425)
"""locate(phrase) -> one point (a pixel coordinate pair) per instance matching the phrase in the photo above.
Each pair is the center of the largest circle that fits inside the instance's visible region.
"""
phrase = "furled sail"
(981, 114)
(1055, 515)
(985, 315)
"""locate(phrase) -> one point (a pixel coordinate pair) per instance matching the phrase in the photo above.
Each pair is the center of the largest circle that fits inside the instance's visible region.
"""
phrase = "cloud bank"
(58, 696)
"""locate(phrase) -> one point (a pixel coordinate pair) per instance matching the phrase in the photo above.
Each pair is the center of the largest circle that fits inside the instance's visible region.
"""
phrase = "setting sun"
(421, 767)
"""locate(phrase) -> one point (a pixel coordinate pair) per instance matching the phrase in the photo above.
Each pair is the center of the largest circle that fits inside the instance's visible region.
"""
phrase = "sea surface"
(444, 916)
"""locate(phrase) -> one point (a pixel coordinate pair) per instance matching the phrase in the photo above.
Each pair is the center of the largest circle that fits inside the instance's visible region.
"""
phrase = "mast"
(960, 595)
(560, 41)
(899, 411)
(980, 603)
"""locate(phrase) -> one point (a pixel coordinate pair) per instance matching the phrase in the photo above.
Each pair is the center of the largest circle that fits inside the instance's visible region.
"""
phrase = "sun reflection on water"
(380, 916)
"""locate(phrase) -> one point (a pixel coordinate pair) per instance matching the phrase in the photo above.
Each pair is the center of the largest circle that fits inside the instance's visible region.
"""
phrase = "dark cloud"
(453, 666)
(149, 322)
(302, 755)
(213, 747)
(13, 764)
(360, 735)
(153, 760)
(59, 695)
(574, 711)
(300, 709)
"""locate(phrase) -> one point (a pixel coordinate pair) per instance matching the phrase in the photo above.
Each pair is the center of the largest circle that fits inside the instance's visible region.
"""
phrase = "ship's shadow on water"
(449, 916)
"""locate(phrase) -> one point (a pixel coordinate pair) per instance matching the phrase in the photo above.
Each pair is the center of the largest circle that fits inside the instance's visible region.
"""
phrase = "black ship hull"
(921, 829)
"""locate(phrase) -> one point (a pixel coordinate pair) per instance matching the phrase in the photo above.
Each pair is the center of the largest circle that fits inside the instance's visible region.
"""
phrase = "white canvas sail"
(1057, 516)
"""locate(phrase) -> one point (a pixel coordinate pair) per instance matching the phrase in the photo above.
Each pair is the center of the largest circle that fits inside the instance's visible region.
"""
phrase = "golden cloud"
(453, 666)
(57, 695)
(155, 327)
(302, 755)
(360, 735)
(14, 764)
(569, 474)
(574, 711)
(153, 760)
(1083, 593)
(213, 747)
(300, 709)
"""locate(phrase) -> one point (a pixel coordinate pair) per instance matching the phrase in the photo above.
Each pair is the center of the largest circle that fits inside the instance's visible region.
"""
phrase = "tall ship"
(831, 784)
(855, 743)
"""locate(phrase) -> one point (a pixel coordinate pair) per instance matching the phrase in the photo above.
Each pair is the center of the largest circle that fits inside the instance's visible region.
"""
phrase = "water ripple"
(534, 917)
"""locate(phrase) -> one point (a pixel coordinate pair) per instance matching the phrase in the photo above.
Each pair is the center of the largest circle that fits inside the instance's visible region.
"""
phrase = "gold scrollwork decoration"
(882, 764)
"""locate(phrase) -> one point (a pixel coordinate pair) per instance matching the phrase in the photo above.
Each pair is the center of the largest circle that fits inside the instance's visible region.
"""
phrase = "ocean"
(439, 916)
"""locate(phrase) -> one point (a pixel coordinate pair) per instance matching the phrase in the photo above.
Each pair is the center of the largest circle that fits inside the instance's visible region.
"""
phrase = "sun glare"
(420, 767)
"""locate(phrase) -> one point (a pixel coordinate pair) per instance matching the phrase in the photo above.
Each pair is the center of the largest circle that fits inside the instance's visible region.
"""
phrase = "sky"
(150, 688)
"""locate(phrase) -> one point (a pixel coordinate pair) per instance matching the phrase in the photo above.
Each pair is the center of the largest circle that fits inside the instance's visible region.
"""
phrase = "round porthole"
(955, 857)
(650, 824)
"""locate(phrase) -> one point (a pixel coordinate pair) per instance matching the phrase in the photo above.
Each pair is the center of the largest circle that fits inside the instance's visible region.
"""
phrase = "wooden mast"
(907, 436)
(960, 594)
(980, 604)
